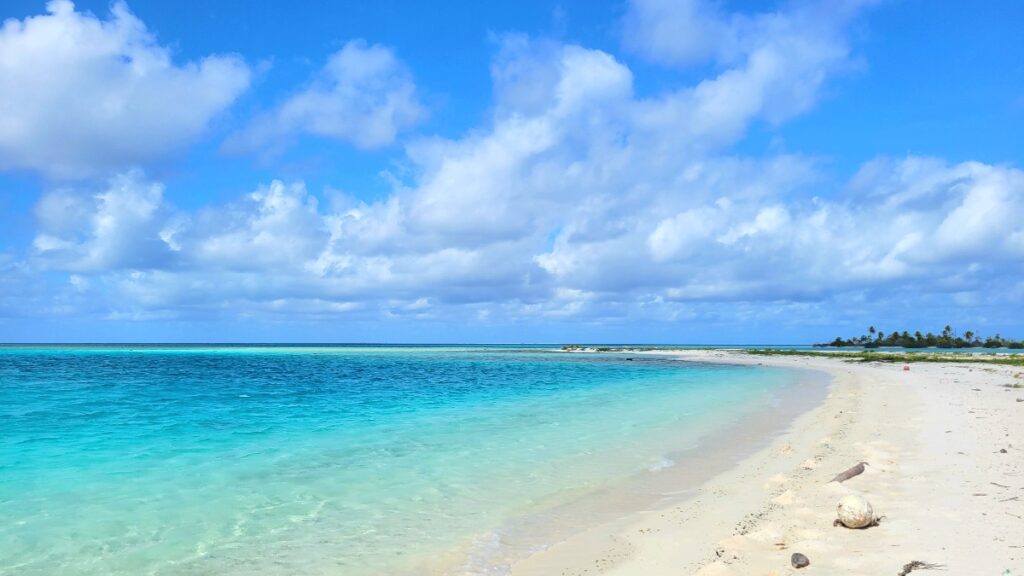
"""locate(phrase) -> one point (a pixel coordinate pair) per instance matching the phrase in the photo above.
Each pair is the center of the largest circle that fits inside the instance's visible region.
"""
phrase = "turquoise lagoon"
(331, 460)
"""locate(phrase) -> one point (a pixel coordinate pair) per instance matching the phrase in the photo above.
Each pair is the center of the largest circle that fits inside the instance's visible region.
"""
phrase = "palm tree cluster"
(947, 339)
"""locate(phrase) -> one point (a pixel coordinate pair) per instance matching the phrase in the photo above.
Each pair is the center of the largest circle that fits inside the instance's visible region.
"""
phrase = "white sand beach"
(944, 445)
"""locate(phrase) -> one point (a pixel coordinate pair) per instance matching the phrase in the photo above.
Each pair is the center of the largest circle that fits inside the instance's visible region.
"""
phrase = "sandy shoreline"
(932, 437)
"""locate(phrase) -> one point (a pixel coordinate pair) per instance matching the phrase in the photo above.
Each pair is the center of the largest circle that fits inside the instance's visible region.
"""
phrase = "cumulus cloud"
(766, 67)
(690, 32)
(578, 199)
(363, 95)
(679, 32)
(758, 249)
(279, 249)
(116, 228)
(80, 95)
(277, 227)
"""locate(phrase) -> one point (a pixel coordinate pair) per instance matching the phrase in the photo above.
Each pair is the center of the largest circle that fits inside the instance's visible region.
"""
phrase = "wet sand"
(945, 448)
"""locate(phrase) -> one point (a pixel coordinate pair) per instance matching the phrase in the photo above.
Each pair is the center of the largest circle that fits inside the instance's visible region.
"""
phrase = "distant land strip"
(947, 339)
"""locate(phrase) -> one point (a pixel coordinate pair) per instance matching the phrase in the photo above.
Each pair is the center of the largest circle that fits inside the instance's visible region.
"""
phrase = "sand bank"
(945, 448)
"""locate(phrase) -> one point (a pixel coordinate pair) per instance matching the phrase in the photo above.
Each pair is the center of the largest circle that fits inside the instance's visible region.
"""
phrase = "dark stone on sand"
(799, 560)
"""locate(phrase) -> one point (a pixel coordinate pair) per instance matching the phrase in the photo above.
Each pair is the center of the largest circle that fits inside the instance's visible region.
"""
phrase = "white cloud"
(363, 95)
(115, 228)
(986, 216)
(578, 199)
(689, 32)
(768, 67)
(279, 249)
(678, 31)
(80, 95)
(768, 220)
(277, 227)
(682, 234)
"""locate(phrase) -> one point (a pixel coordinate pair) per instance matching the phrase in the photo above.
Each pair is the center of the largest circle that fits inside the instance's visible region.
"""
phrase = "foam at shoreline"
(313, 460)
(674, 476)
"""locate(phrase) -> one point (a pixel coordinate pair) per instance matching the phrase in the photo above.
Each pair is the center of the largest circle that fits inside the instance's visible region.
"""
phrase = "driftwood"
(918, 565)
(850, 473)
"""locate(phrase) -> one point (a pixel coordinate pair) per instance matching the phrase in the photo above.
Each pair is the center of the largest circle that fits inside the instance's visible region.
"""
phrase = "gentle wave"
(306, 461)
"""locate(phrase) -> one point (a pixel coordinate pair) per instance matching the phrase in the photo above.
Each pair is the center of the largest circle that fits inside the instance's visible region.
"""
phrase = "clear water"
(320, 460)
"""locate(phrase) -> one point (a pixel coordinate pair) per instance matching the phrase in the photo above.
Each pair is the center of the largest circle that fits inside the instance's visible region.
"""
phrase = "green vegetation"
(947, 339)
(850, 356)
(901, 357)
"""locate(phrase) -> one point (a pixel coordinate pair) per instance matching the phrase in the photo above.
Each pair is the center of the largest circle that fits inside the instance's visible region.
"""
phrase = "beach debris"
(799, 561)
(787, 498)
(850, 472)
(855, 511)
(918, 565)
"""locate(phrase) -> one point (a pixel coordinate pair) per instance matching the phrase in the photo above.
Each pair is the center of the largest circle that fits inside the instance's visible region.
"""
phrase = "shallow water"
(324, 460)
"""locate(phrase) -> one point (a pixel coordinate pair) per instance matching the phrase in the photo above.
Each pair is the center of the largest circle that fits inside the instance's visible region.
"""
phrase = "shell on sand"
(855, 512)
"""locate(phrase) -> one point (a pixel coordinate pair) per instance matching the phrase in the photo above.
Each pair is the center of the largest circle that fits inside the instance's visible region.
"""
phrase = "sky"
(632, 171)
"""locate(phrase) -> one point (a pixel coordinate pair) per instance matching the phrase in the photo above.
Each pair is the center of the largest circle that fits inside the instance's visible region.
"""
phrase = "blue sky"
(630, 171)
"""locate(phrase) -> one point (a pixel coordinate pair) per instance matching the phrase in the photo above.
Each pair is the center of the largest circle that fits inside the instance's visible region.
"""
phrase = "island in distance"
(947, 339)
